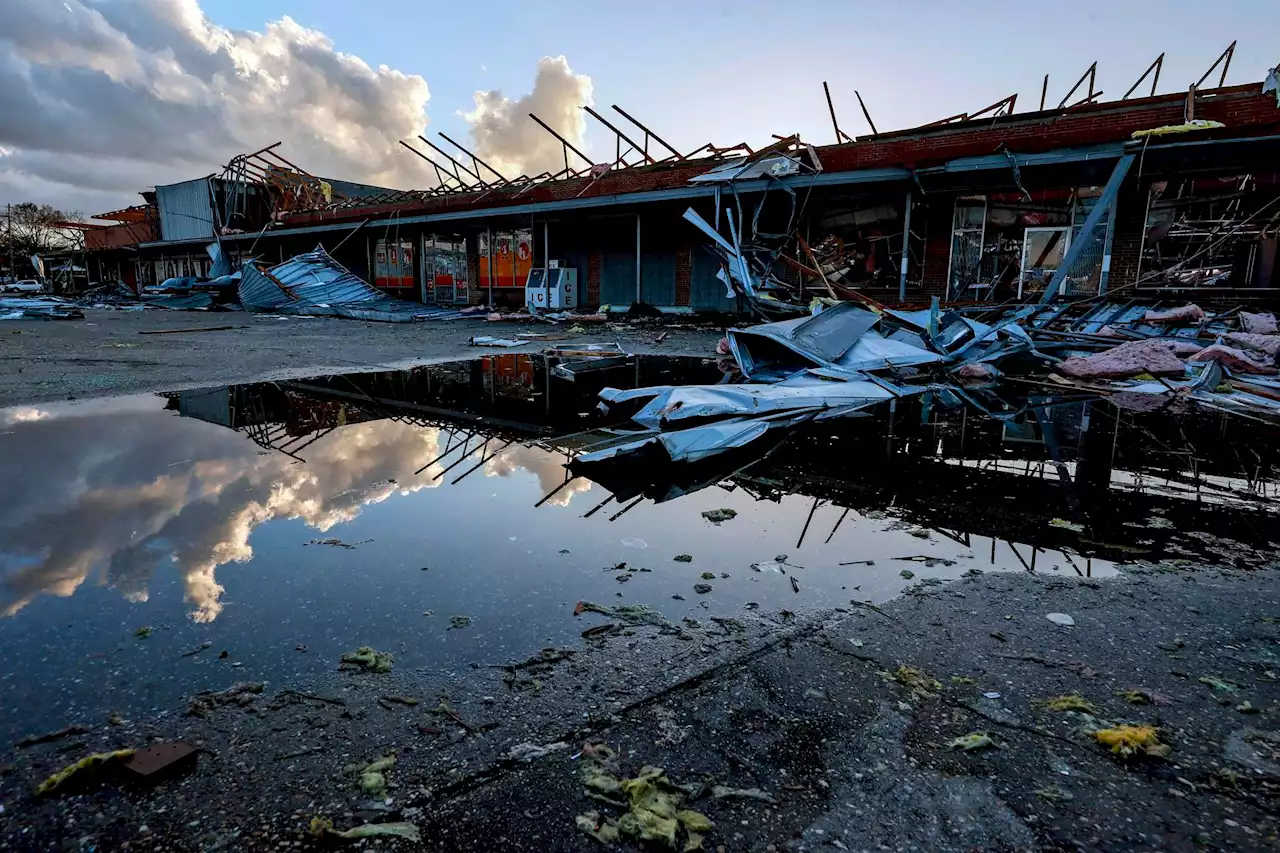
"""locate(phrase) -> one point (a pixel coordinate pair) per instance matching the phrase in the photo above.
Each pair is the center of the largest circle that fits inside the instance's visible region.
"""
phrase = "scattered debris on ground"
(368, 660)
(78, 770)
(322, 827)
(49, 737)
(240, 695)
(717, 516)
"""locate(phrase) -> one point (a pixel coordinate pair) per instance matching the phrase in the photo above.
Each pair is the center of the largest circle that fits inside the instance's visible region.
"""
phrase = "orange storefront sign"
(506, 258)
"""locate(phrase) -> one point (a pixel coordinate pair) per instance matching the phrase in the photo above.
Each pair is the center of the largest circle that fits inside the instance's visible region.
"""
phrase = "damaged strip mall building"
(1164, 197)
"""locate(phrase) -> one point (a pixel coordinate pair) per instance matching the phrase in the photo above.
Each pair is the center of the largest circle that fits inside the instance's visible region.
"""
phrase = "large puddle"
(285, 523)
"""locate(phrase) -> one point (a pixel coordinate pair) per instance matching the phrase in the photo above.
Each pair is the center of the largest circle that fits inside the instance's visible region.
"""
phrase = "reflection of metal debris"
(1048, 451)
(842, 359)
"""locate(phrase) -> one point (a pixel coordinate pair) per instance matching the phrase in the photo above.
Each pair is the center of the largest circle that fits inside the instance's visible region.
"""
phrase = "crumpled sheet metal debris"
(843, 358)
(817, 340)
(42, 308)
(315, 284)
(693, 402)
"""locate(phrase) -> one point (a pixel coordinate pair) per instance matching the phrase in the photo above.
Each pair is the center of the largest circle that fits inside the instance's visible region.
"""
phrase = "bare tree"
(34, 228)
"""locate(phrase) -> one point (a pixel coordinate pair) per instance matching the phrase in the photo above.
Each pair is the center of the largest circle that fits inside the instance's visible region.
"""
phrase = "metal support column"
(1104, 204)
(1105, 277)
(637, 257)
(906, 250)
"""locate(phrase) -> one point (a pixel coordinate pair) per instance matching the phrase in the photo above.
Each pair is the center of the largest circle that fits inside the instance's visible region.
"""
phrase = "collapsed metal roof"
(315, 284)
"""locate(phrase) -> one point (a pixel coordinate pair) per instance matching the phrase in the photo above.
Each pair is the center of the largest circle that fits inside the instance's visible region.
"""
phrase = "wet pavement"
(286, 523)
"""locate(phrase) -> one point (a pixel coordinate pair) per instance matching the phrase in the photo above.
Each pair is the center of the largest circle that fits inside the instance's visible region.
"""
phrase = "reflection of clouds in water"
(102, 494)
(22, 414)
(547, 467)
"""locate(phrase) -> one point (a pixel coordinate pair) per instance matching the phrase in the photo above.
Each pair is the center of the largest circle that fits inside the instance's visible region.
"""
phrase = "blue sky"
(698, 72)
(120, 95)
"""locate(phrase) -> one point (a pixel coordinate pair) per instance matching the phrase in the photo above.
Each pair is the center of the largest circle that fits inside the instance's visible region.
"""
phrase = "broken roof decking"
(1244, 109)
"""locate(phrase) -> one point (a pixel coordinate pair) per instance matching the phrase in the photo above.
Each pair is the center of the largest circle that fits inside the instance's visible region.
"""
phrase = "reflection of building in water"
(508, 395)
(957, 470)
(963, 473)
(510, 375)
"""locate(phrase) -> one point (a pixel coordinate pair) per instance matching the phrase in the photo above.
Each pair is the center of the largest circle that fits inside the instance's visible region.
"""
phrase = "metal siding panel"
(617, 277)
(657, 276)
(185, 211)
(571, 243)
(706, 292)
(616, 239)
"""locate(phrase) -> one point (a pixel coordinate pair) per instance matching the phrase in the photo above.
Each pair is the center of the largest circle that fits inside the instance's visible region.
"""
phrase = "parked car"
(26, 285)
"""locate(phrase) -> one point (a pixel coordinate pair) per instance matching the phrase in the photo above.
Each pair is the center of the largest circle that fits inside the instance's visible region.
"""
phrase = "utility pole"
(11, 274)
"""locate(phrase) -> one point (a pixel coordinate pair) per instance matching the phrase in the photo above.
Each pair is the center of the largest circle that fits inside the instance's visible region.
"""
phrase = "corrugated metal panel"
(185, 211)
(353, 190)
(314, 283)
(706, 292)
(658, 276)
(775, 165)
(211, 405)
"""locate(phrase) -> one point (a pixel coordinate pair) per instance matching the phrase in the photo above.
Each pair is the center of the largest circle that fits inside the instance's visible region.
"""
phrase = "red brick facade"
(684, 275)
(1243, 109)
(593, 278)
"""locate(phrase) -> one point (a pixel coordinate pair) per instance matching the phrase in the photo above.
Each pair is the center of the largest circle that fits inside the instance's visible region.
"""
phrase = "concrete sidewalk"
(836, 746)
(104, 354)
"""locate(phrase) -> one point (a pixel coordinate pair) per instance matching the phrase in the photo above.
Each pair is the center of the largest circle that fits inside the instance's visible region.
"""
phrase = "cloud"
(103, 98)
(505, 136)
(112, 506)
(109, 504)
(548, 468)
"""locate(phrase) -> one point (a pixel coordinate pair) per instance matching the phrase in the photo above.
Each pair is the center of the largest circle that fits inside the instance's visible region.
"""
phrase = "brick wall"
(476, 296)
(937, 245)
(684, 275)
(593, 278)
(1130, 233)
(1244, 110)
(115, 236)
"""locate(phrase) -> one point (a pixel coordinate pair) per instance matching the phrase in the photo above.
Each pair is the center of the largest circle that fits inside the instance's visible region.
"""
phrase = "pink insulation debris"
(1154, 357)
(1269, 344)
(1182, 347)
(1237, 361)
(722, 348)
(1185, 314)
(1108, 332)
(1258, 324)
(976, 371)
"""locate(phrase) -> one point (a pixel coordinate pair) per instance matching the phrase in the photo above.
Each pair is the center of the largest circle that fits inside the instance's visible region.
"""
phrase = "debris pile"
(843, 358)
(654, 805)
(38, 308)
(314, 284)
(241, 695)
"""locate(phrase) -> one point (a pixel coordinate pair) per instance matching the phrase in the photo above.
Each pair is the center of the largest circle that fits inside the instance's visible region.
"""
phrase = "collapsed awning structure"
(40, 308)
(315, 284)
(845, 358)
